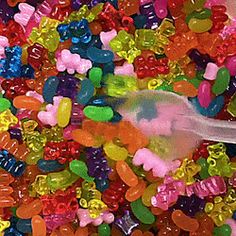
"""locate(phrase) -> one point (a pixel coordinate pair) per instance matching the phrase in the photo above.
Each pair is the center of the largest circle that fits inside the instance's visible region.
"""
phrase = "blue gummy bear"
(50, 88)
(27, 71)
(102, 185)
(24, 226)
(10, 67)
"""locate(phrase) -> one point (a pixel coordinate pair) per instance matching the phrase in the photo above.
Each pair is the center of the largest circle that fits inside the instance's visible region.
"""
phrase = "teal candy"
(98, 113)
(47, 166)
(141, 212)
(80, 168)
(4, 104)
(204, 168)
(104, 230)
(224, 230)
(100, 56)
(24, 226)
(50, 89)
(86, 92)
(221, 82)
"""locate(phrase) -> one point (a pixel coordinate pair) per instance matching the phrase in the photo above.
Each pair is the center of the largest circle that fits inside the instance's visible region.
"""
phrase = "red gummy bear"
(114, 196)
(110, 19)
(166, 226)
(15, 87)
(151, 66)
(62, 151)
(59, 203)
(218, 17)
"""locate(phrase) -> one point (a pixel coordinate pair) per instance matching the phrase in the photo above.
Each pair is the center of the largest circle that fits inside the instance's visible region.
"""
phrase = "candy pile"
(70, 165)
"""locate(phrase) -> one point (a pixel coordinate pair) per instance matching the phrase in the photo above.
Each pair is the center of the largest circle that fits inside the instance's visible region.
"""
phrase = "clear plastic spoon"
(174, 120)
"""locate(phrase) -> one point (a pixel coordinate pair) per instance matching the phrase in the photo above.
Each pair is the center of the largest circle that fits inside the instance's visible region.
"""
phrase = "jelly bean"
(204, 94)
(141, 212)
(221, 82)
(38, 226)
(230, 64)
(115, 152)
(24, 226)
(126, 174)
(4, 104)
(83, 137)
(222, 230)
(82, 231)
(86, 92)
(135, 192)
(149, 192)
(49, 166)
(80, 169)
(27, 103)
(200, 26)
(64, 112)
(184, 222)
(50, 89)
(98, 113)
(104, 230)
(95, 75)
(203, 14)
(211, 71)
(28, 211)
(185, 88)
(99, 56)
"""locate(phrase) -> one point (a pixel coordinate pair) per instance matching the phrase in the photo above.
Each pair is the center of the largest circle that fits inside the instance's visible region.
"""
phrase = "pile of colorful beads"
(70, 164)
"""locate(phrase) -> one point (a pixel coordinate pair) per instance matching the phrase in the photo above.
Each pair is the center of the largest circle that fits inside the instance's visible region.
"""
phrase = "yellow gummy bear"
(4, 225)
(7, 119)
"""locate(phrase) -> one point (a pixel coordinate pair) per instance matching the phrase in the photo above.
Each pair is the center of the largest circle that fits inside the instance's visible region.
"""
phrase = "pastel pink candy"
(3, 43)
(49, 117)
(106, 37)
(125, 69)
(85, 219)
(151, 161)
(232, 224)
(204, 94)
(211, 71)
(230, 64)
(213, 186)
(26, 11)
(35, 95)
(72, 63)
(168, 193)
(160, 7)
(211, 3)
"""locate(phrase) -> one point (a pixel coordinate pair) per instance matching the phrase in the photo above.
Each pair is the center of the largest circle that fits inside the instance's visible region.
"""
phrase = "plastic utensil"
(174, 120)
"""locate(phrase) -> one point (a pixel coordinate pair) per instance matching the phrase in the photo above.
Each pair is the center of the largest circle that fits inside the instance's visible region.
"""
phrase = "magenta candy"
(211, 71)
(160, 7)
(204, 94)
(231, 65)
(214, 185)
(168, 193)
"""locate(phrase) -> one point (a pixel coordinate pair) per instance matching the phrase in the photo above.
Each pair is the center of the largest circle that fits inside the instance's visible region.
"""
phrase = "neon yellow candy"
(96, 207)
(115, 152)
(149, 192)
(36, 141)
(4, 225)
(200, 26)
(190, 5)
(7, 119)
(33, 157)
(64, 112)
(40, 186)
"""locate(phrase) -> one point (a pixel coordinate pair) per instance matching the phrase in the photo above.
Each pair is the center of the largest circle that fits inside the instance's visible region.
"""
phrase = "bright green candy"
(98, 113)
(165, 87)
(141, 212)
(205, 13)
(181, 78)
(232, 106)
(204, 168)
(104, 230)
(195, 82)
(224, 230)
(4, 104)
(80, 169)
(221, 82)
(95, 75)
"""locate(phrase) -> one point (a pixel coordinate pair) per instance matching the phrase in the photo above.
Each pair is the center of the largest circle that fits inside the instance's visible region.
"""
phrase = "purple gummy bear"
(15, 134)
(97, 163)
(6, 12)
(77, 4)
(77, 114)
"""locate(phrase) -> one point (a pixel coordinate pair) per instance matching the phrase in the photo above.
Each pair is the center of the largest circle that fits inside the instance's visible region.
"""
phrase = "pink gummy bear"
(214, 185)
(160, 7)
(168, 192)
(125, 69)
(26, 11)
(3, 43)
(72, 63)
(49, 117)
(85, 219)
(151, 161)
(106, 37)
